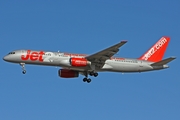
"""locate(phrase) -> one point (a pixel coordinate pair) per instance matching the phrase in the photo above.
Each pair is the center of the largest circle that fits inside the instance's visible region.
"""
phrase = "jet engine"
(65, 73)
(79, 62)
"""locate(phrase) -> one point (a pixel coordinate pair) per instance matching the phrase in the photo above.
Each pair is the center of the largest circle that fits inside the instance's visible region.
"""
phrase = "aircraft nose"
(5, 58)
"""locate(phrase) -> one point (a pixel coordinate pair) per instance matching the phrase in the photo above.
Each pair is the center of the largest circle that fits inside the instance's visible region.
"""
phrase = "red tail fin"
(156, 52)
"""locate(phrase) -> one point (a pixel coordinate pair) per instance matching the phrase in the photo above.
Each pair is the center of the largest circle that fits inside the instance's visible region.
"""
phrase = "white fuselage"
(63, 60)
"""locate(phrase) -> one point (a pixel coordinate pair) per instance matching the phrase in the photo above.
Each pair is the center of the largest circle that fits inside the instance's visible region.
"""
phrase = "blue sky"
(87, 26)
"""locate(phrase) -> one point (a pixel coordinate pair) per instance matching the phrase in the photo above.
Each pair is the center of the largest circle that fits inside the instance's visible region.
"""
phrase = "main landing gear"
(95, 74)
(23, 68)
(88, 80)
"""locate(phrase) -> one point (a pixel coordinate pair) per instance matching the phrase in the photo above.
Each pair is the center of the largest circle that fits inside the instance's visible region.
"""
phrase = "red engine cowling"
(64, 73)
(78, 62)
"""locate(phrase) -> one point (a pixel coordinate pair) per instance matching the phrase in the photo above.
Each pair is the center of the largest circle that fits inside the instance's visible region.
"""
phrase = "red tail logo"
(156, 52)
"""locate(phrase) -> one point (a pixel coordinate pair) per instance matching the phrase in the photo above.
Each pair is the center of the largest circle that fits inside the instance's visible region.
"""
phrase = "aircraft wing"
(99, 58)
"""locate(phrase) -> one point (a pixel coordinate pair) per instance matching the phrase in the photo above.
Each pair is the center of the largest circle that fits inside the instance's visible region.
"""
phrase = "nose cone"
(6, 58)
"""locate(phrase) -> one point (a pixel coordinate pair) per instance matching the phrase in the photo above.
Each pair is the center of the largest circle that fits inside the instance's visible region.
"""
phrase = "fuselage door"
(140, 66)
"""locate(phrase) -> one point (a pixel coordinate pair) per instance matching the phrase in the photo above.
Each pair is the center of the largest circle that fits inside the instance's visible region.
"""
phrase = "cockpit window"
(12, 53)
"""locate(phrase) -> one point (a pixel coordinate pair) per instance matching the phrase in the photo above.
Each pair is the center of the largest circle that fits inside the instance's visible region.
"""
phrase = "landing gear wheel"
(24, 71)
(95, 74)
(91, 73)
(88, 80)
(85, 79)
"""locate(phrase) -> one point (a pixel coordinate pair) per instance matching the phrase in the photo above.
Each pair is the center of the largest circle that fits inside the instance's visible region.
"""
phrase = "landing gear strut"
(23, 68)
(88, 80)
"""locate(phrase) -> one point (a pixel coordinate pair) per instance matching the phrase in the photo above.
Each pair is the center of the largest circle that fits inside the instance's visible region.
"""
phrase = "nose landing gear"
(23, 68)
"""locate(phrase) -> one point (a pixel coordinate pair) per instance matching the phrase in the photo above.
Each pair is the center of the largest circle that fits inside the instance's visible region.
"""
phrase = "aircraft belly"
(146, 67)
(127, 67)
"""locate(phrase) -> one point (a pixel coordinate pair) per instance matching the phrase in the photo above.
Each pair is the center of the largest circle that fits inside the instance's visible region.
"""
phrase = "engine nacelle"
(64, 73)
(79, 62)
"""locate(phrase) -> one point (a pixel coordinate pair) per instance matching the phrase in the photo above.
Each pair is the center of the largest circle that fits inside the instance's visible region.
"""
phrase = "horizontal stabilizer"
(163, 62)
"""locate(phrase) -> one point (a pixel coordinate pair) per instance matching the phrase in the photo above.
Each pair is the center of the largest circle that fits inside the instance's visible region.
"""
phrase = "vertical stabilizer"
(156, 52)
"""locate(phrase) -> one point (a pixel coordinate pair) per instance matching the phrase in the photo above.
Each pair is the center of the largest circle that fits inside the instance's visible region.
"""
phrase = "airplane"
(89, 65)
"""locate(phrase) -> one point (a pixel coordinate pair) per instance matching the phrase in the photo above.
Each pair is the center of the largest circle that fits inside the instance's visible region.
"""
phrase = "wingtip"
(124, 41)
(173, 57)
